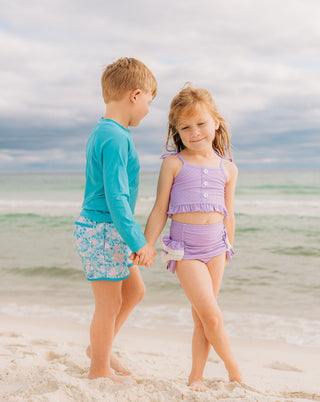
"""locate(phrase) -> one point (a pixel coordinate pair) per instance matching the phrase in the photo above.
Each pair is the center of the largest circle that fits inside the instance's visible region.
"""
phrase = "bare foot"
(118, 367)
(235, 374)
(93, 374)
(115, 363)
(197, 386)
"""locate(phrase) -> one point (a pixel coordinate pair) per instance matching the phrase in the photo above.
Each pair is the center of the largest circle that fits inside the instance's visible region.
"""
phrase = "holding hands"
(144, 256)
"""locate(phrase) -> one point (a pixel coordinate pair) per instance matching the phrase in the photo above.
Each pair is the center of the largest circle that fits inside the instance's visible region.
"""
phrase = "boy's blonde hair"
(188, 102)
(126, 74)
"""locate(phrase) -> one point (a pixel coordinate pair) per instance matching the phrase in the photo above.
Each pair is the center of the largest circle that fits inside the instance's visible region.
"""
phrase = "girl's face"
(197, 131)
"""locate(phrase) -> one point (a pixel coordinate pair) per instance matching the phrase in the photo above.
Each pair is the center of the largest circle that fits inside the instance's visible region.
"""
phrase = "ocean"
(270, 291)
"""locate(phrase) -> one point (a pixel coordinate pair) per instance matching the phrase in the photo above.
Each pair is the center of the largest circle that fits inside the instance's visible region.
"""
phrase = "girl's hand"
(136, 260)
(144, 256)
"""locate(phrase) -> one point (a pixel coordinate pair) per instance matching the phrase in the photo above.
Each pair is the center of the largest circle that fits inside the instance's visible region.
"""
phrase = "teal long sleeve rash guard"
(112, 180)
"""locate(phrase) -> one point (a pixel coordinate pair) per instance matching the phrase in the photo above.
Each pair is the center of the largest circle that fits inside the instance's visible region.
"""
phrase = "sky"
(259, 59)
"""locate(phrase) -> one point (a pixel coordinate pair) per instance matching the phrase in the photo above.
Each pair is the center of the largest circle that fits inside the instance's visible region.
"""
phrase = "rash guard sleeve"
(114, 154)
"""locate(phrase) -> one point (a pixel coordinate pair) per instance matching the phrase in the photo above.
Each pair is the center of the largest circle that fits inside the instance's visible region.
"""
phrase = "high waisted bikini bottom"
(195, 242)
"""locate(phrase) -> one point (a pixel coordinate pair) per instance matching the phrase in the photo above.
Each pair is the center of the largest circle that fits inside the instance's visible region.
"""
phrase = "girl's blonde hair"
(188, 101)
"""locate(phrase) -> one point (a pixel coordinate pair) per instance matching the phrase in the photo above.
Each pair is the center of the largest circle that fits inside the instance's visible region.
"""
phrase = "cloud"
(259, 59)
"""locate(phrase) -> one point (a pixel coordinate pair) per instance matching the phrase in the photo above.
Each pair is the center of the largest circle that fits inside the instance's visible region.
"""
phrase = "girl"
(196, 190)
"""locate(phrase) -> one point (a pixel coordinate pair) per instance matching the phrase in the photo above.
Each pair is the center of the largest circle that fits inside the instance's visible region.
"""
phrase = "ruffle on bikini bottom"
(229, 251)
(172, 251)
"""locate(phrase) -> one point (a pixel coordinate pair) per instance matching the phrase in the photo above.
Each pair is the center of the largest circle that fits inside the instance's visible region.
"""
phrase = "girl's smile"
(198, 130)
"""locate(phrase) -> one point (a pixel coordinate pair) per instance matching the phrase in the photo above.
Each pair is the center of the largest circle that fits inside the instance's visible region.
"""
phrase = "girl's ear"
(134, 94)
(216, 124)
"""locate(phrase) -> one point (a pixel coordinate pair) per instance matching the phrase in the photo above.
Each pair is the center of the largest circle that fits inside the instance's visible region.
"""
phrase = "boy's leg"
(196, 281)
(200, 344)
(132, 292)
(107, 295)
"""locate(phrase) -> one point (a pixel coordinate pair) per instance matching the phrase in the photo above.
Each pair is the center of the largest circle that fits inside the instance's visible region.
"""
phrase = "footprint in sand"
(301, 395)
(52, 356)
(42, 342)
(212, 360)
(283, 366)
(11, 334)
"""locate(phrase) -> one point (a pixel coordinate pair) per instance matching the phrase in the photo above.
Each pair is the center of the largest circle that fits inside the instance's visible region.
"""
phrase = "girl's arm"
(158, 216)
(232, 175)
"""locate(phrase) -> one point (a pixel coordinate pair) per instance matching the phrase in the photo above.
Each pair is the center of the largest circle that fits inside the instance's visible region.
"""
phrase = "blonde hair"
(188, 101)
(126, 74)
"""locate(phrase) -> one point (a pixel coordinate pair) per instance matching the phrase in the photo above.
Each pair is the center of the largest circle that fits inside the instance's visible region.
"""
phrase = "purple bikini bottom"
(194, 242)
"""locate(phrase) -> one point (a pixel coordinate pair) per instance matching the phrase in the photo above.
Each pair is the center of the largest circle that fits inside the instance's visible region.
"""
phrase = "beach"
(45, 361)
(270, 299)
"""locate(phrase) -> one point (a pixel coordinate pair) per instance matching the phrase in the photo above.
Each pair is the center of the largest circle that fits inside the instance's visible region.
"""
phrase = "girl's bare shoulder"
(172, 164)
(231, 170)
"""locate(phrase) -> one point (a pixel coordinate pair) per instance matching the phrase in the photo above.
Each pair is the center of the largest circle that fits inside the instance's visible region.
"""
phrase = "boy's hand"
(144, 256)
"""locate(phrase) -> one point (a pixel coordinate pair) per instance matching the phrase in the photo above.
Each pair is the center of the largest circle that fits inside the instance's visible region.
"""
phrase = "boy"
(106, 230)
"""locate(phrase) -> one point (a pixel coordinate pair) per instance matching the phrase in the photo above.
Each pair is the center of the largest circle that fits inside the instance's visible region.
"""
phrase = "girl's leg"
(107, 297)
(132, 292)
(200, 352)
(200, 344)
(197, 284)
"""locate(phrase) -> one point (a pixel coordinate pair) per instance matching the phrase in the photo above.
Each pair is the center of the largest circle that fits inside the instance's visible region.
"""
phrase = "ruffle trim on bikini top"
(201, 207)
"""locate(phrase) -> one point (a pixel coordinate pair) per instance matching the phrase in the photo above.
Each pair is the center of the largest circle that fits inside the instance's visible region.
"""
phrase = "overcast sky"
(260, 60)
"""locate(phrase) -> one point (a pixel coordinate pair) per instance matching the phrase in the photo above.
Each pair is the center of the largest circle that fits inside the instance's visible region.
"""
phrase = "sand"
(43, 360)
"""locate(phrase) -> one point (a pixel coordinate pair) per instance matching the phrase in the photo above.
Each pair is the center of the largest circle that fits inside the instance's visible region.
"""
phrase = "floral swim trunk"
(104, 254)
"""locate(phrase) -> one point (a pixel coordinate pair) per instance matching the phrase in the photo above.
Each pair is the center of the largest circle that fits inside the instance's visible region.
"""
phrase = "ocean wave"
(294, 189)
(277, 207)
(44, 272)
(297, 331)
(144, 205)
(40, 207)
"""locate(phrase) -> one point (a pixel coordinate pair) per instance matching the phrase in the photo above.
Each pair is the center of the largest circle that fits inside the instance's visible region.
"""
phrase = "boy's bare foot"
(197, 385)
(115, 363)
(93, 374)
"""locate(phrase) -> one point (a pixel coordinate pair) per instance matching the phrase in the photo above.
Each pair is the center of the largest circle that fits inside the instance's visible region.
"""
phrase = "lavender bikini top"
(197, 188)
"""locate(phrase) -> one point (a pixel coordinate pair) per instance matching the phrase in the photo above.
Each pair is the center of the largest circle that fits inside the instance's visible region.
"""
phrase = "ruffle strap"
(229, 251)
(221, 156)
(173, 152)
(172, 251)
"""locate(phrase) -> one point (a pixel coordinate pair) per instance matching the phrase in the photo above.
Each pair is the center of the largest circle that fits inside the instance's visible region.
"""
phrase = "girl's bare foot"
(118, 367)
(197, 385)
(235, 373)
(115, 363)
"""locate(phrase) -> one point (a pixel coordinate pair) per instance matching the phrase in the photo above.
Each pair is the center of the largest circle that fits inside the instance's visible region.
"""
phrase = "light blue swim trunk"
(104, 254)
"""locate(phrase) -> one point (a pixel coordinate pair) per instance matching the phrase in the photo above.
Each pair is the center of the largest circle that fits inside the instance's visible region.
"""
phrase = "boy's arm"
(116, 186)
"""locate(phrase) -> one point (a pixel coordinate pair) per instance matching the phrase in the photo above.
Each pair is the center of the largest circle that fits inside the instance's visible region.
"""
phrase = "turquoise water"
(271, 290)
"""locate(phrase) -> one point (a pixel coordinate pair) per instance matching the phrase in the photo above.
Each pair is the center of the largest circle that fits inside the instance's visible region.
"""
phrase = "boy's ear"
(134, 94)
